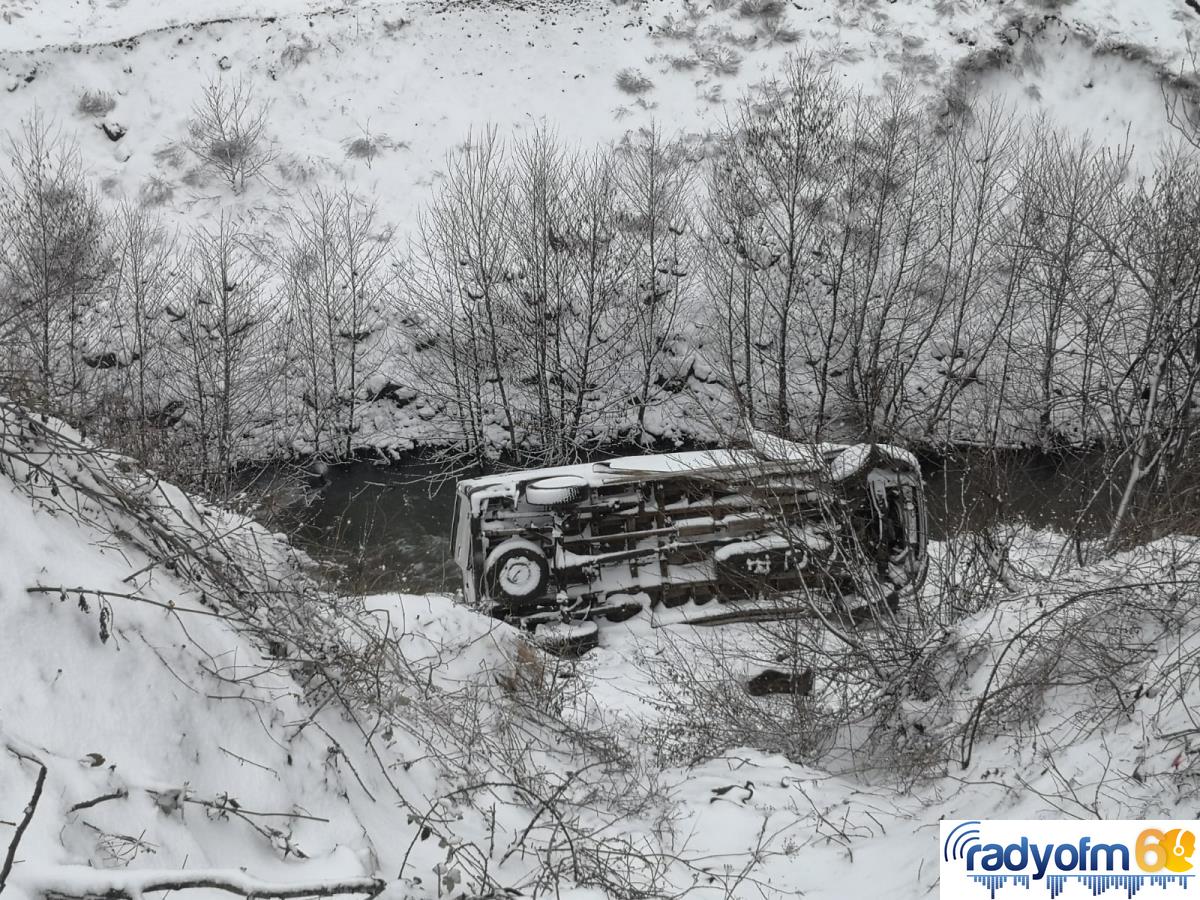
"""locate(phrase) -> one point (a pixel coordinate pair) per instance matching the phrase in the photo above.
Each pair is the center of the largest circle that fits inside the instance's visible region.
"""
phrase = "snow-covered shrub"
(96, 103)
(679, 29)
(761, 9)
(156, 191)
(775, 30)
(719, 59)
(369, 145)
(633, 81)
(297, 52)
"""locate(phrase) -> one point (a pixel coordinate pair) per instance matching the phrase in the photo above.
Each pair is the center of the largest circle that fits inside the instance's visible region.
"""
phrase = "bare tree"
(975, 277)
(875, 260)
(592, 349)
(226, 372)
(520, 290)
(565, 309)
(144, 281)
(229, 131)
(338, 278)
(1152, 396)
(655, 178)
(461, 266)
(1069, 188)
(533, 303)
(53, 264)
(770, 194)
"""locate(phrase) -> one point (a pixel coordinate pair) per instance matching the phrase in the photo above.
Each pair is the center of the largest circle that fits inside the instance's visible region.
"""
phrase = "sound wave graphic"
(960, 837)
(1098, 884)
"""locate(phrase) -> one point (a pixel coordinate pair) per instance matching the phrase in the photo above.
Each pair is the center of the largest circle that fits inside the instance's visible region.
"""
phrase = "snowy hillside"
(383, 101)
(380, 93)
(167, 741)
(149, 741)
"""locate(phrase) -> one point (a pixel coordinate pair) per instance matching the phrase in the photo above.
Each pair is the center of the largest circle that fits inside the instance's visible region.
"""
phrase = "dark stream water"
(388, 526)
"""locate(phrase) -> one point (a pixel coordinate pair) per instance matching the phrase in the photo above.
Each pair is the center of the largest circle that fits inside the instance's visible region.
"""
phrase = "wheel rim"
(519, 576)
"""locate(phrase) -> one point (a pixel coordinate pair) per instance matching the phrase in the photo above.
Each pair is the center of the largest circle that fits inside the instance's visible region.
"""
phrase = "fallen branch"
(87, 882)
(752, 614)
(30, 809)
(170, 607)
(96, 801)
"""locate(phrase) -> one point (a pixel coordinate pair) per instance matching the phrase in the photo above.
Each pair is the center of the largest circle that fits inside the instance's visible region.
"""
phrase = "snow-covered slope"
(1067, 696)
(376, 95)
(169, 741)
(414, 78)
(165, 707)
(408, 745)
(175, 739)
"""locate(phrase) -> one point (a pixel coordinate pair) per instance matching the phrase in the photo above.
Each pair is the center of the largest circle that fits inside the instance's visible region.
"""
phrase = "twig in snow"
(84, 881)
(225, 806)
(250, 762)
(30, 808)
(170, 607)
(96, 801)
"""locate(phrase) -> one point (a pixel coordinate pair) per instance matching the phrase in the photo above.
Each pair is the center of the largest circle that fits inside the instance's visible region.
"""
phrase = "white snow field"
(411, 747)
(419, 77)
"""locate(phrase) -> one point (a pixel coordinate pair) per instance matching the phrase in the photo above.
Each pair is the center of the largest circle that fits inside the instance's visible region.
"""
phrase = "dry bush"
(369, 145)
(229, 132)
(156, 191)
(719, 60)
(762, 9)
(171, 155)
(775, 30)
(297, 53)
(1087, 648)
(96, 103)
(671, 28)
(361, 148)
(633, 81)
(708, 709)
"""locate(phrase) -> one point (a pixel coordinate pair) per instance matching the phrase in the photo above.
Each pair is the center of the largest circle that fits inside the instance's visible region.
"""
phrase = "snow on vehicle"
(608, 539)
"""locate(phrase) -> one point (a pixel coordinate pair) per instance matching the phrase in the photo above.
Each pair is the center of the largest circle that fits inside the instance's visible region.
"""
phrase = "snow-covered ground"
(418, 77)
(176, 746)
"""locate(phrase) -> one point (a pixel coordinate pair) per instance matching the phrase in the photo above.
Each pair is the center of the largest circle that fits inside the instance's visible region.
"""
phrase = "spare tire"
(515, 571)
(557, 490)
